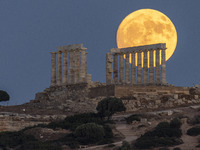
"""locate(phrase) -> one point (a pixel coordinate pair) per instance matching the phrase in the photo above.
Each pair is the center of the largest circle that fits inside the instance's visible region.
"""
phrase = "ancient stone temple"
(121, 67)
(69, 65)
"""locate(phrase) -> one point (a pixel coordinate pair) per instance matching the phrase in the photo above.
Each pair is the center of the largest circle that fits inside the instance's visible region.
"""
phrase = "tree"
(108, 106)
(4, 96)
(89, 133)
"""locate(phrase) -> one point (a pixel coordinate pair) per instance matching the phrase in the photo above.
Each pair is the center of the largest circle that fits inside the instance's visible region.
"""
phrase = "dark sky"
(30, 29)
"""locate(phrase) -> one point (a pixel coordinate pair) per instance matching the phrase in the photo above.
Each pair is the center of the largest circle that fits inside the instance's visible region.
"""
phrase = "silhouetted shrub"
(89, 133)
(37, 145)
(108, 106)
(177, 148)
(72, 122)
(193, 131)
(4, 96)
(175, 123)
(134, 117)
(146, 142)
(125, 146)
(164, 148)
(164, 134)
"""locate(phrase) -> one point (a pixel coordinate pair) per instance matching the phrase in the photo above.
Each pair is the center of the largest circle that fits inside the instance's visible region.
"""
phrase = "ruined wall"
(15, 122)
(128, 90)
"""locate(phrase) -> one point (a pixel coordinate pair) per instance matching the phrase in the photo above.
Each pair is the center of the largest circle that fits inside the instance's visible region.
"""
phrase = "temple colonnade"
(150, 67)
(69, 65)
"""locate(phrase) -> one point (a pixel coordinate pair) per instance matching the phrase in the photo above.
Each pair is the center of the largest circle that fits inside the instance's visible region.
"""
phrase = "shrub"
(89, 133)
(146, 142)
(13, 139)
(175, 123)
(4, 96)
(108, 106)
(125, 146)
(37, 145)
(176, 148)
(193, 131)
(72, 122)
(133, 117)
(164, 134)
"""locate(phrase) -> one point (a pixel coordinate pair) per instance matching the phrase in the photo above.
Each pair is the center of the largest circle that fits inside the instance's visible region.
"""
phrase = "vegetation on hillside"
(87, 128)
(164, 134)
(108, 106)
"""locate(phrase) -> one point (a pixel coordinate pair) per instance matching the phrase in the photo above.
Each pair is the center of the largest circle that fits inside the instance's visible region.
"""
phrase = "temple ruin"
(147, 65)
(119, 70)
(71, 65)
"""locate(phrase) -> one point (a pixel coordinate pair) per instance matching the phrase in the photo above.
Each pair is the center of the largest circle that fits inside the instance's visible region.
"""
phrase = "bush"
(164, 134)
(125, 146)
(37, 145)
(13, 139)
(193, 131)
(4, 96)
(175, 123)
(89, 133)
(108, 106)
(134, 117)
(146, 142)
(176, 148)
(72, 122)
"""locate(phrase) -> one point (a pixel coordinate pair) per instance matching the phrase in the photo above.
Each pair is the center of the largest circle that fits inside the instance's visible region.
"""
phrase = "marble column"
(115, 72)
(121, 68)
(65, 69)
(83, 66)
(157, 71)
(73, 66)
(151, 66)
(76, 65)
(145, 68)
(127, 69)
(139, 68)
(133, 68)
(163, 67)
(70, 67)
(109, 68)
(53, 68)
(59, 67)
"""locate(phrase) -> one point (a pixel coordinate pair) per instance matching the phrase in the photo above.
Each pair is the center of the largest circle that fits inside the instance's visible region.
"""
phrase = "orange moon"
(145, 27)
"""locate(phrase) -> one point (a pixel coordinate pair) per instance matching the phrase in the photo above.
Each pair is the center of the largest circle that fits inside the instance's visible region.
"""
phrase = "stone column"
(70, 67)
(109, 68)
(139, 68)
(151, 66)
(83, 67)
(73, 65)
(157, 71)
(53, 68)
(163, 67)
(115, 73)
(65, 67)
(133, 68)
(121, 68)
(76, 65)
(145, 68)
(59, 67)
(127, 69)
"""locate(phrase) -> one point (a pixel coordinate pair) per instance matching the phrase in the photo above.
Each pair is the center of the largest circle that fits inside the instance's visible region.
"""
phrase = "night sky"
(31, 29)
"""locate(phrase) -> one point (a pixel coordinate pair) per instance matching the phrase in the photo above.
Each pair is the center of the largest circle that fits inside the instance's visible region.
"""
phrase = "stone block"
(175, 96)
(158, 101)
(196, 96)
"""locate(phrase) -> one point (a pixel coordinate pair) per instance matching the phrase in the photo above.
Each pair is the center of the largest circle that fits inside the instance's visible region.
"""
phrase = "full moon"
(145, 27)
